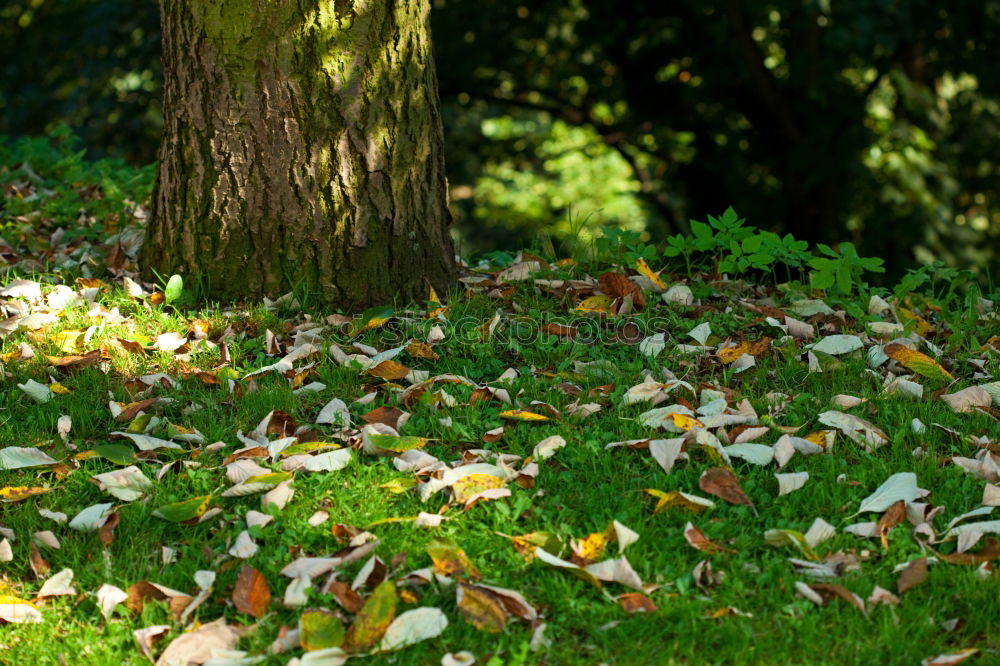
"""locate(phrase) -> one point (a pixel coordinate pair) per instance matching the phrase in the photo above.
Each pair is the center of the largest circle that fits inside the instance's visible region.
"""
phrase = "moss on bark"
(302, 145)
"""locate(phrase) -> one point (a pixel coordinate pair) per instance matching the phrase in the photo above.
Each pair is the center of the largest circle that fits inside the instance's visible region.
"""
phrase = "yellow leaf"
(922, 364)
(600, 304)
(592, 547)
(675, 498)
(58, 388)
(644, 268)
(432, 296)
(449, 559)
(18, 493)
(820, 437)
(733, 352)
(481, 609)
(419, 349)
(398, 486)
(68, 341)
(685, 422)
(908, 318)
(522, 415)
(473, 484)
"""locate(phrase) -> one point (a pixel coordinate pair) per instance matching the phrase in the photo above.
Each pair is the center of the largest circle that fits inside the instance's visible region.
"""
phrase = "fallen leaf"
(251, 594)
(636, 602)
(198, 646)
(721, 482)
(414, 626)
(373, 619)
(449, 559)
(480, 609)
(917, 362)
(698, 540)
(320, 629)
(914, 574)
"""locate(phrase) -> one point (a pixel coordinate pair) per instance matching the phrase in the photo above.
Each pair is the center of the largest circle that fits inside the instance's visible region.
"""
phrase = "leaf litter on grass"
(465, 442)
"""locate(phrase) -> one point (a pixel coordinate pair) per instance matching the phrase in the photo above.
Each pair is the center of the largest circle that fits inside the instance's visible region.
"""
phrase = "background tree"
(302, 144)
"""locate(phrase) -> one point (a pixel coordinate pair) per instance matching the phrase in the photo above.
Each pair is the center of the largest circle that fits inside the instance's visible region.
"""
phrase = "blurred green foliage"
(49, 184)
(872, 121)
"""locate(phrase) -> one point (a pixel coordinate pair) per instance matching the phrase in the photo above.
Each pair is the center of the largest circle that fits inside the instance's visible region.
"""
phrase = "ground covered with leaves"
(560, 462)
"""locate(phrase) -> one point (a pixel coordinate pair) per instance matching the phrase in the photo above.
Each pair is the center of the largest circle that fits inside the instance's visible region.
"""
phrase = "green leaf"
(119, 454)
(844, 282)
(320, 629)
(701, 230)
(175, 285)
(178, 512)
(821, 279)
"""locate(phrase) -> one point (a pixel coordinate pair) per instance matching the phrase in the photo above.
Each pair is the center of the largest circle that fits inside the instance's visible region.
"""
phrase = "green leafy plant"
(616, 245)
(841, 269)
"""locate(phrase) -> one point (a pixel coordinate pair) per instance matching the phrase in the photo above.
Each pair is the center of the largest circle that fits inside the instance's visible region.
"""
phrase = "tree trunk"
(302, 147)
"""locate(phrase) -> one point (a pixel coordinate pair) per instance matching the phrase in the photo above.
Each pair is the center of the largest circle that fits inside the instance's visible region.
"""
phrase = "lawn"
(573, 462)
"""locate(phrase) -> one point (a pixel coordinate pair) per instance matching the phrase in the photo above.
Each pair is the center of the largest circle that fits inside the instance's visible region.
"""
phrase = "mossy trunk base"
(302, 146)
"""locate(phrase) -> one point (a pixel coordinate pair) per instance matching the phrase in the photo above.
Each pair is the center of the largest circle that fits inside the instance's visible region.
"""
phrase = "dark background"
(873, 121)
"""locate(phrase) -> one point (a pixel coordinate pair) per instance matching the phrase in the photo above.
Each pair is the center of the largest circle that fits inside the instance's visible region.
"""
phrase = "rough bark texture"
(302, 146)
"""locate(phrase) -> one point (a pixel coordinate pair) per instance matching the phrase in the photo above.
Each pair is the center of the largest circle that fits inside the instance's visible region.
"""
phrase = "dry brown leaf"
(389, 370)
(829, 590)
(74, 361)
(251, 595)
(914, 574)
(560, 330)
(988, 552)
(107, 532)
(618, 286)
(722, 483)
(892, 517)
(349, 600)
(697, 539)
(37, 562)
(385, 415)
(636, 602)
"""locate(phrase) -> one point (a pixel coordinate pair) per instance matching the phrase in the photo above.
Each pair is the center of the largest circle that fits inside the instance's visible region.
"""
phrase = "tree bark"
(302, 147)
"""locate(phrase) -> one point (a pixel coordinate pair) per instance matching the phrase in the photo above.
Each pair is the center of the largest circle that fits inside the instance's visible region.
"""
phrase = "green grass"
(580, 490)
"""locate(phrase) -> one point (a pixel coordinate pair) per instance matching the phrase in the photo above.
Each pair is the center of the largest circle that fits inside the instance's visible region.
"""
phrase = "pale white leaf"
(37, 392)
(147, 443)
(414, 626)
(127, 484)
(92, 518)
(701, 332)
(818, 532)
(899, 486)
(790, 482)
(756, 454)
(15, 457)
(335, 412)
(244, 547)
(109, 596)
(968, 399)
(653, 345)
(330, 461)
(548, 446)
(836, 345)
(59, 585)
